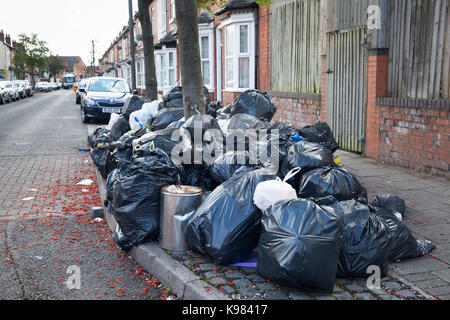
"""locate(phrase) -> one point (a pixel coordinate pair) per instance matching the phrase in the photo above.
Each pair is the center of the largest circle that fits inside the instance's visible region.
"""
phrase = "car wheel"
(2, 100)
(77, 100)
(84, 119)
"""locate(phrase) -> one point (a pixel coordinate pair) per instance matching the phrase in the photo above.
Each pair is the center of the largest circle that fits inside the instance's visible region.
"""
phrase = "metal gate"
(347, 87)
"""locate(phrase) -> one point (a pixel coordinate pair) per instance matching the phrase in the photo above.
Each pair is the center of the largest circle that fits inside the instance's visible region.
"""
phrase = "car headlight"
(90, 101)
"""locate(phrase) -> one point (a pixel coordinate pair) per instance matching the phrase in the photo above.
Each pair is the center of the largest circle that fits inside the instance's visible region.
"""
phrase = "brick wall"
(263, 77)
(299, 109)
(377, 87)
(415, 134)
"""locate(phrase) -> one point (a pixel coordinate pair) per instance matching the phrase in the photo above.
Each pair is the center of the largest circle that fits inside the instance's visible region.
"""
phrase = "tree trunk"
(190, 62)
(151, 84)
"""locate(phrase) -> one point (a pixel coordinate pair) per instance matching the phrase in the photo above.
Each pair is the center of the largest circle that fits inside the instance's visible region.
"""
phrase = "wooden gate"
(347, 87)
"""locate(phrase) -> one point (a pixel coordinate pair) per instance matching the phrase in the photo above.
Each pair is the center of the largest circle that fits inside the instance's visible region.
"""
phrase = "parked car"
(28, 88)
(5, 93)
(42, 87)
(53, 86)
(19, 89)
(78, 93)
(102, 97)
(12, 92)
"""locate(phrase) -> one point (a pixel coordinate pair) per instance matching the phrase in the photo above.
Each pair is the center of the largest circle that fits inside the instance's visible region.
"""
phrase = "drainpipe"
(256, 46)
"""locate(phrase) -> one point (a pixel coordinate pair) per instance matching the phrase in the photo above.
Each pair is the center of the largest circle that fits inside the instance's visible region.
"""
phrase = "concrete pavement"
(427, 216)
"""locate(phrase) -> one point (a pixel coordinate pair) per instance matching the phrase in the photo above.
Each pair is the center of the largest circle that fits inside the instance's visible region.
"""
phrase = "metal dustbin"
(176, 209)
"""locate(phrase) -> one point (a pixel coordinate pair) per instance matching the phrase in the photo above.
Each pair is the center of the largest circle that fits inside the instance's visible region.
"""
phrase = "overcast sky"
(68, 27)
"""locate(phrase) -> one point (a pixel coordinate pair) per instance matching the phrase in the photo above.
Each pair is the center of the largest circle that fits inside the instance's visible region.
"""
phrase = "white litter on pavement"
(28, 199)
(33, 190)
(84, 190)
(98, 219)
(85, 182)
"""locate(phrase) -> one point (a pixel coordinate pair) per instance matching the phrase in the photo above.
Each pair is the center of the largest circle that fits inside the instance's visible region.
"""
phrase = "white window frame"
(140, 73)
(162, 55)
(162, 17)
(172, 11)
(234, 22)
(207, 30)
(152, 19)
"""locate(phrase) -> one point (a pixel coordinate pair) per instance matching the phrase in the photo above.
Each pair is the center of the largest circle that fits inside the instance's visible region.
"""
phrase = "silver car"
(8, 92)
(27, 87)
(19, 89)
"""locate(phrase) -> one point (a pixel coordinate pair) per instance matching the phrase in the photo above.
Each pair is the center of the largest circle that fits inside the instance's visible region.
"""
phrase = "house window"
(166, 68)
(238, 56)
(206, 63)
(152, 18)
(172, 10)
(139, 74)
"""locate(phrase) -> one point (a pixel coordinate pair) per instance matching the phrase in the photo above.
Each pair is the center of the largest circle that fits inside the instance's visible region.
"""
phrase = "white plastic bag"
(113, 119)
(139, 118)
(269, 192)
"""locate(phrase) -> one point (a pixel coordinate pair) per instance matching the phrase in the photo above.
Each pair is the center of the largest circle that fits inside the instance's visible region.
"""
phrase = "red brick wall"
(416, 137)
(298, 111)
(377, 87)
(263, 77)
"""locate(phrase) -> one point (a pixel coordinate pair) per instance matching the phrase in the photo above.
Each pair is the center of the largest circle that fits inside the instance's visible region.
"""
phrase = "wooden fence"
(419, 47)
(295, 44)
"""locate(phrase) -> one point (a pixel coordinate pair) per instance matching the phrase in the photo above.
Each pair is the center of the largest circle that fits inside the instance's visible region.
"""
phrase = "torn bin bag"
(136, 197)
(300, 243)
(321, 134)
(331, 181)
(226, 226)
(365, 241)
(402, 244)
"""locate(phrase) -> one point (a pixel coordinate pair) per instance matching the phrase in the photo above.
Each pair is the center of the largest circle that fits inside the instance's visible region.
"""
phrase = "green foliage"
(32, 53)
(208, 4)
(55, 65)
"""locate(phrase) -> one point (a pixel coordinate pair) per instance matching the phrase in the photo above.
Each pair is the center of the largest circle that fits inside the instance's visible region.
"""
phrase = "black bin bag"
(254, 103)
(307, 156)
(226, 226)
(321, 134)
(331, 181)
(119, 128)
(165, 117)
(365, 241)
(100, 136)
(225, 166)
(136, 195)
(402, 244)
(390, 202)
(103, 160)
(132, 104)
(162, 139)
(300, 243)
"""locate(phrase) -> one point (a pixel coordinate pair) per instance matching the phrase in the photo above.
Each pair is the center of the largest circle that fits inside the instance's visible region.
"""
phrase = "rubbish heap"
(283, 194)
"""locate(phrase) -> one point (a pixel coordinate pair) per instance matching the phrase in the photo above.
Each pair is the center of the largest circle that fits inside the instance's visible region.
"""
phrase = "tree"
(32, 54)
(190, 61)
(151, 84)
(55, 65)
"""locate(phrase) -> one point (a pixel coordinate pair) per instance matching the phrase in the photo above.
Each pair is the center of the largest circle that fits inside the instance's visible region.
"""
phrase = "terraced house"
(7, 50)
(376, 70)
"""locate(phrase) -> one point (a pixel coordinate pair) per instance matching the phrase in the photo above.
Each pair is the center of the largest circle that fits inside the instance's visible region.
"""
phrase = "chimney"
(8, 39)
(2, 36)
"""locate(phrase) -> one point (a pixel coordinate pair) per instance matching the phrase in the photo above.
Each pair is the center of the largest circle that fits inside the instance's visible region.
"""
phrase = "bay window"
(239, 56)
(166, 68)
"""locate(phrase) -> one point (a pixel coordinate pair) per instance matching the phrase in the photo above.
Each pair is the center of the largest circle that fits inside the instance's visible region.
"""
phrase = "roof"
(205, 17)
(236, 4)
(70, 60)
(168, 39)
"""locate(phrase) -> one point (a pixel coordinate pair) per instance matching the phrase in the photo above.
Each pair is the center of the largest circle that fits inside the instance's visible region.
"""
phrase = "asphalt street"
(50, 247)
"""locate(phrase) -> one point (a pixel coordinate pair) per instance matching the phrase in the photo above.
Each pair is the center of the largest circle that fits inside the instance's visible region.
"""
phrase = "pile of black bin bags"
(331, 230)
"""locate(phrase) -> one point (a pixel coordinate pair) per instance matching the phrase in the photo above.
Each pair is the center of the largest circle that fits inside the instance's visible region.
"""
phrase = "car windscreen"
(109, 85)
(69, 79)
(17, 85)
